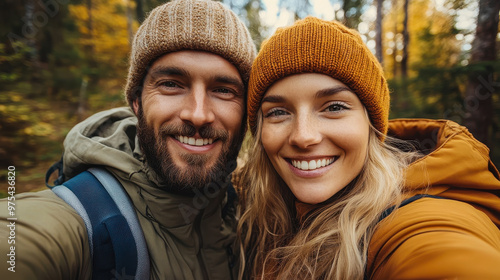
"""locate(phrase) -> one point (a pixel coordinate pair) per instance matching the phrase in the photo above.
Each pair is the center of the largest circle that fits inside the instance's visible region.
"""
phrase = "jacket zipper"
(199, 255)
(230, 261)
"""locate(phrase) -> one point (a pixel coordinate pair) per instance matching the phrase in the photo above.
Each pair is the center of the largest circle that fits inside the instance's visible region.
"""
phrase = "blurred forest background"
(63, 60)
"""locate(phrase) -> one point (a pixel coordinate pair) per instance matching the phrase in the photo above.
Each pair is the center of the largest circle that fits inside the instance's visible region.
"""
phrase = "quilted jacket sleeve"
(48, 240)
(435, 239)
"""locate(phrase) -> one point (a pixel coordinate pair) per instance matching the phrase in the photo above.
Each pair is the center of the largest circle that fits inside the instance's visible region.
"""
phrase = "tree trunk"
(139, 9)
(82, 97)
(130, 21)
(89, 54)
(406, 41)
(352, 12)
(395, 38)
(30, 32)
(479, 90)
(378, 39)
(90, 26)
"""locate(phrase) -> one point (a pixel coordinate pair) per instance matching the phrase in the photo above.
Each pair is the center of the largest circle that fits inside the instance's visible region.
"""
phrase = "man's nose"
(198, 108)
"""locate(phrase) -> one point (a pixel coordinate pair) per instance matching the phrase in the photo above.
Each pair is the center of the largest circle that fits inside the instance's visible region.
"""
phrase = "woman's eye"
(276, 113)
(335, 107)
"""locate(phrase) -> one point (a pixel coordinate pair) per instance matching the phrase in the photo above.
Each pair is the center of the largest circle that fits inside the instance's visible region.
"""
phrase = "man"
(172, 152)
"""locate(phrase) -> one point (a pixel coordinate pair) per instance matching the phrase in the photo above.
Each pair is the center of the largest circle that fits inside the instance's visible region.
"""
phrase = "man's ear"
(135, 105)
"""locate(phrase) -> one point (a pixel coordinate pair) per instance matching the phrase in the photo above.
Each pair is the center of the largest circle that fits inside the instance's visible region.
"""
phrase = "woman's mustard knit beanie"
(313, 45)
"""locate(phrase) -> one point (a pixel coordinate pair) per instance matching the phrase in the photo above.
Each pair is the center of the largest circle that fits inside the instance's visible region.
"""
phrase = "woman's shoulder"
(435, 238)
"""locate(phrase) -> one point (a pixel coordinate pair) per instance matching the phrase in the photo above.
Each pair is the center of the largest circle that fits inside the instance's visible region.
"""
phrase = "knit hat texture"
(202, 25)
(313, 45)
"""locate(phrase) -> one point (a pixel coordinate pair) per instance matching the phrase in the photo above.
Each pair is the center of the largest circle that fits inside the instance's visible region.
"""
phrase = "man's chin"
(185, 180)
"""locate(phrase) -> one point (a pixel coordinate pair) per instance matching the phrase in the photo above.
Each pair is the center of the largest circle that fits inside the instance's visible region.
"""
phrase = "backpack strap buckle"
(60, 178)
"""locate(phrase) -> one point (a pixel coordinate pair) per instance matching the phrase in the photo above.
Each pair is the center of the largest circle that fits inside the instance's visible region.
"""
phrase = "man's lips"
(195, 145)
(194, 141)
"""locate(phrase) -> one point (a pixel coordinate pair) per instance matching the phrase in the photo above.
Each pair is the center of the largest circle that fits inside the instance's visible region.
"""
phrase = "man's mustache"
(188, 130)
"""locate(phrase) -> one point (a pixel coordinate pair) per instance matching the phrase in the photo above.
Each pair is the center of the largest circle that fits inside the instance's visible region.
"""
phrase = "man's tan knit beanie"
(313, 45)
(189, 25)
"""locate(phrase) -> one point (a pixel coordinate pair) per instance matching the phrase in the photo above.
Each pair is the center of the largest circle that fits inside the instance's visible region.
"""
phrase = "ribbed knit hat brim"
(313, 45)
(189, 25)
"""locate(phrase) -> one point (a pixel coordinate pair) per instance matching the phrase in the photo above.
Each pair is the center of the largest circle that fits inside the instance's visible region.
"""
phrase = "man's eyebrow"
(168, 71)
(229, 80)
(331, 91)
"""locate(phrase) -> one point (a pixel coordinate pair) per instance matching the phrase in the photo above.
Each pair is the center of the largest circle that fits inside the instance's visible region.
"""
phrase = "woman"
(328, 194)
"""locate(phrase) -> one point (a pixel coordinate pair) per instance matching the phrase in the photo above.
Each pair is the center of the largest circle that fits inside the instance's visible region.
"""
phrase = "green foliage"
(23, 123)
(438, 93)
(42, 76)
(252, 9)
(353, 9)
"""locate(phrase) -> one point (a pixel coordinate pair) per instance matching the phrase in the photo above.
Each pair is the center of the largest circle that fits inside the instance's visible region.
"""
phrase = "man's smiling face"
(190, 117)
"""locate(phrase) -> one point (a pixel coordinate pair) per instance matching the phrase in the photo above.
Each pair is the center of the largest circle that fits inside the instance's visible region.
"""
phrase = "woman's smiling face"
(315, 132)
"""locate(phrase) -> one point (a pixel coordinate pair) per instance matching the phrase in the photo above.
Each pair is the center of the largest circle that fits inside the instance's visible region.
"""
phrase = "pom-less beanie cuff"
(313, 45)
(189, 25)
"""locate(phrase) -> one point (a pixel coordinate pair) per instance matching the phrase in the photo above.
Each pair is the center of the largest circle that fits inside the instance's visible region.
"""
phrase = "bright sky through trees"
(275, 17)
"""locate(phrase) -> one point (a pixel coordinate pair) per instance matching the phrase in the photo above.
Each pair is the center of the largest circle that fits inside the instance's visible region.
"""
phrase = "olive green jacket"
(187, 237)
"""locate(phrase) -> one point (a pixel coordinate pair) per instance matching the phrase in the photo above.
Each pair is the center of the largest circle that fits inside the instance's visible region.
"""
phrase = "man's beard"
(196, 175)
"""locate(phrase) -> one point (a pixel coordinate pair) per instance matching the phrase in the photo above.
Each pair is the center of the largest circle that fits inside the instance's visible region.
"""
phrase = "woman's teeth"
(313, 164)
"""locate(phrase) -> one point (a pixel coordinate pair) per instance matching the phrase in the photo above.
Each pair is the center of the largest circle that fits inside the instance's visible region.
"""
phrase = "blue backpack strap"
(117, 245)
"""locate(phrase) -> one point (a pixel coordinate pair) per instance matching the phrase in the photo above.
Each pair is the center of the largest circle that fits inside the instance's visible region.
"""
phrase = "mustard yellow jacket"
(456, 237)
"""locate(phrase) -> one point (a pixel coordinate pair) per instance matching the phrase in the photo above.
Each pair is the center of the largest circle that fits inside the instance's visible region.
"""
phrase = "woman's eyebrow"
(273, 99)
(319, 94)
(331, 91)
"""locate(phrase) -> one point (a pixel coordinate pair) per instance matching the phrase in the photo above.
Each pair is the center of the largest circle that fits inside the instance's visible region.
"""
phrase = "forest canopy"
(62, 60)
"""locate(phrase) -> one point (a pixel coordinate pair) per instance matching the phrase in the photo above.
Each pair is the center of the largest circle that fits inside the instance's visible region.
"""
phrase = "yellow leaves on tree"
(19, 113)
(432, 42)
(104, 30)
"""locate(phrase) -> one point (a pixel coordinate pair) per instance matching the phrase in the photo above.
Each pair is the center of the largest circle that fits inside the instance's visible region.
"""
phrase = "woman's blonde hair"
(332, 242)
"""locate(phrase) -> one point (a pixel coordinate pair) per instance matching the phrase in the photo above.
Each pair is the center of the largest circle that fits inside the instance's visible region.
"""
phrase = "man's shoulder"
(41, 209)
(42, 230)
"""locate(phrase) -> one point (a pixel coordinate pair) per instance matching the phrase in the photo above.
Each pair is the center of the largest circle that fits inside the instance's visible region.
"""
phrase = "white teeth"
(313, 164)
(304, 165)
(194, 142)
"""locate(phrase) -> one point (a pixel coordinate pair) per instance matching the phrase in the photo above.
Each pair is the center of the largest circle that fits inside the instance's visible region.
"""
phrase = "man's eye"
(225, 93)
(169, 84)
(223, 90)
